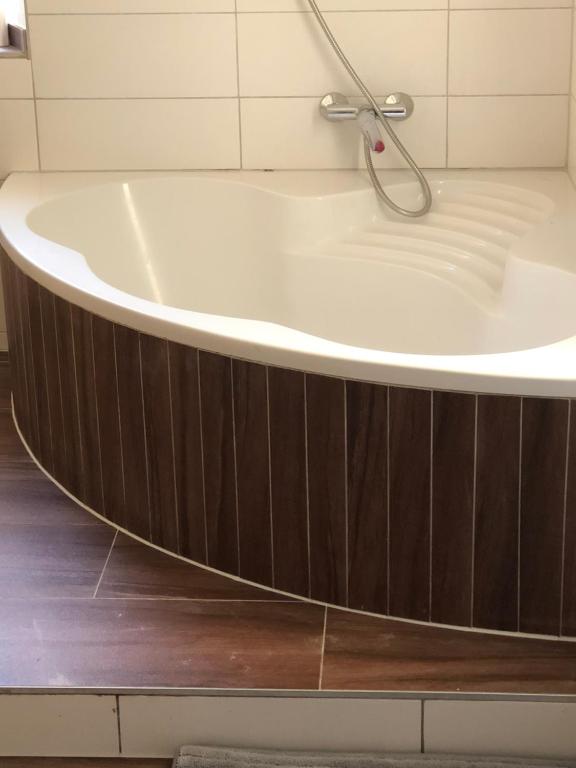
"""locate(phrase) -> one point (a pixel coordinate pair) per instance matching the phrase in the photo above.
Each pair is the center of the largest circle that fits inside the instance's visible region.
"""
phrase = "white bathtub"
(305, 270)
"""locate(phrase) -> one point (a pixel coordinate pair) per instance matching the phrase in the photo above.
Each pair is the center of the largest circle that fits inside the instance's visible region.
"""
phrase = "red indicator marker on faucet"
(379, 146)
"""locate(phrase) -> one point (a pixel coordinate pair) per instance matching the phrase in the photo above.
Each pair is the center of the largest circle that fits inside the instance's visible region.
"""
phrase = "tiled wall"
(572, 131)
(129, 84)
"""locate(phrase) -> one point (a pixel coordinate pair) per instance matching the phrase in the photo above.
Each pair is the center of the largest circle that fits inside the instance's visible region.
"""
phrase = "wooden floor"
(83, 607)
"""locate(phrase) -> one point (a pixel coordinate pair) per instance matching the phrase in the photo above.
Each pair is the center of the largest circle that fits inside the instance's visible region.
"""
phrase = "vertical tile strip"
(367, 417)
(288, 479)
(452, 500)
(188, 473)
(327, 488)
(219, 467)
(410, 477)
(544, 432)
(251, 433)
(58, 434)
(158, 425)
(24, 285)
(18, 380)
(87, 408)
(496, 525)
(136, 511)
(106, 387)
(39, 364)
(569, 591)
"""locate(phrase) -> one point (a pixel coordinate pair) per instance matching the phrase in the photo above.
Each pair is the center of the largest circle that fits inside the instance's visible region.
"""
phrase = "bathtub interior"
(336, 266)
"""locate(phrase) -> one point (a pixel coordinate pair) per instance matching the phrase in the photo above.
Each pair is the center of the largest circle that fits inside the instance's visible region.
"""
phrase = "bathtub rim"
(545, 371)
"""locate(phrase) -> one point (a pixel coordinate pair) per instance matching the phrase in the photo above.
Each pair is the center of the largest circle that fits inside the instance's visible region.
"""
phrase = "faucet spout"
(371, 130)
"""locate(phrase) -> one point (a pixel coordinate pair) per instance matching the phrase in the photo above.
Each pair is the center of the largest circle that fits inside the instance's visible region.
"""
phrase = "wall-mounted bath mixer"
(370, 128)
(396, 106)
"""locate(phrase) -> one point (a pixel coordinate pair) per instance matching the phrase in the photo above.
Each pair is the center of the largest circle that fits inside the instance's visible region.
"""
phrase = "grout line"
(448, 94)
(235, 453)
(173, 446)
(144, 430)
(565, 516)
(474, 508)
(106, 563)
(323, 649)
(270, 494)
(60, 393)
(201, 424)
(307, 484)
(48, 404)
(388, 500)
(78, 417)
(422, 743)
(30, 58)
(240, 147)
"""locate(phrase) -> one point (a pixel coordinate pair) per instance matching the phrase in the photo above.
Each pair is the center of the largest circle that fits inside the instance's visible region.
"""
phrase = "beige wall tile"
(528, 729)
(130, 6)
(139, 134)
(167, 55)
(18, 148)
(157, 726)
(15, 79)
(59, 726)
(510, 52)
(508, 132)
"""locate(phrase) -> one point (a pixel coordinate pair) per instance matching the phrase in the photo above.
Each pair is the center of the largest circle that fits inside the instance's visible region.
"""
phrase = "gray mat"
(218, 757)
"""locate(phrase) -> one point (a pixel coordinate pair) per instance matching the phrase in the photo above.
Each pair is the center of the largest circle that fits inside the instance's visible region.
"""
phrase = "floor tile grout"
(106, 563)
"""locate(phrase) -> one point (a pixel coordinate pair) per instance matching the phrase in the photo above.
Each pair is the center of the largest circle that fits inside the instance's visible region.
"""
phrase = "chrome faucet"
(396, 106)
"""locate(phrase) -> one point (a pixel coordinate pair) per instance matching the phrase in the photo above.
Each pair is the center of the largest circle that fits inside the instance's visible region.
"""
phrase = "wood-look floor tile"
(367, 653)
(160, 643)
(31, 499)
(52, 561)
(137, 570)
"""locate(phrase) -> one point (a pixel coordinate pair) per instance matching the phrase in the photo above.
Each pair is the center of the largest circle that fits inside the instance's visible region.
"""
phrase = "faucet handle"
(335, 107)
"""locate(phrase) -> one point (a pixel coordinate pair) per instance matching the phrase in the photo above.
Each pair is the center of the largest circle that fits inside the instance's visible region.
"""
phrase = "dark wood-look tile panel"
(453, 453)
(106, 388)
(17, 369)
(544, 439)
(326, 428)
(569, 587)
(253, 471)
(410, 476)
(497, 505)
(158, 443)
(40, 376)
(73, 469)
(59, 438)
(188, 466)
(22, 308)
(367, 453)
(288, 479)
(92, 490)
(219, 461)
(136, 516)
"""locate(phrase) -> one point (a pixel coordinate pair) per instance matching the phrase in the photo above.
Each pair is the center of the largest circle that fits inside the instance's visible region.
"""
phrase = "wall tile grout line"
(474, 510)
(145, 438)
(519, 524)
(431, 511)
(118, 408)
(60, 392)
(346, 497)
(237, 40)
(78, 414)
(118, 724)
(97, 411)
(388, 572)
(49, 408)
(307, 471)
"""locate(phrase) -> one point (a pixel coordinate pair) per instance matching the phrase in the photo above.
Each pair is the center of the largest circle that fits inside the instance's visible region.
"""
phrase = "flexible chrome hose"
(385, 124)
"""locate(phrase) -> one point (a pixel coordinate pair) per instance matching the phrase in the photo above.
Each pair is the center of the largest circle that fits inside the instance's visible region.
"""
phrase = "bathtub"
(269, 375)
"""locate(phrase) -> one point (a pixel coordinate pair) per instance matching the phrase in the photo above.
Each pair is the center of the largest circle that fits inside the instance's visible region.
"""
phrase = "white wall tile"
(572, 140)
(18, 148)
(291, 134)
(138, 134)
(15, 79)
(58, 726)
(130, 6)
(510, 52)
(529, 729)
(508, 132)
(134, 55)
(156, 726)
(285, 55)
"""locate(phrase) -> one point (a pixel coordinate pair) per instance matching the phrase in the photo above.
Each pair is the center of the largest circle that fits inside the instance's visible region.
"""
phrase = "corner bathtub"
(269, 375)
